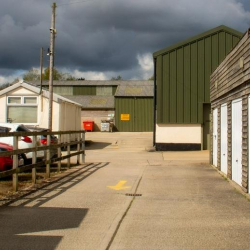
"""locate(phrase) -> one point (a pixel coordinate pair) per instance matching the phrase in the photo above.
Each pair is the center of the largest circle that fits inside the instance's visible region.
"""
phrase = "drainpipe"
(155, 97)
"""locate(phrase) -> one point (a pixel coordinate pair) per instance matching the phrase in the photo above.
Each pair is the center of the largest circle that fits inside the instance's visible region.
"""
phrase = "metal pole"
(51, 65)
(155, 102)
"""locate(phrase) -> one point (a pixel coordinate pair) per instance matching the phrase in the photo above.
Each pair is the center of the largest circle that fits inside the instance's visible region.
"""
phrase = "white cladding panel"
(215, 136)
(70, 119)
(237, 141)
(178, 133)
(21, 91)
(3, 109)
(224, 138)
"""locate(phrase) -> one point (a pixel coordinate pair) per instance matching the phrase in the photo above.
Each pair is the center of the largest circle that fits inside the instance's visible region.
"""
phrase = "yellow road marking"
(119, 186)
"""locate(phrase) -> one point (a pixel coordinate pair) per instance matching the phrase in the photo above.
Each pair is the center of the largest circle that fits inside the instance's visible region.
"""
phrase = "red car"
(6, 162)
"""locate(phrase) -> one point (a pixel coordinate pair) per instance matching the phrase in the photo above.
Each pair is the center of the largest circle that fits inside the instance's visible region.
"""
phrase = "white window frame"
(22, 101)
(22, 104)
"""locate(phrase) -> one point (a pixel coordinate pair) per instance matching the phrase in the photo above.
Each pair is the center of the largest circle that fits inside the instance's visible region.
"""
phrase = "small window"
(14, 100)
(30, 100)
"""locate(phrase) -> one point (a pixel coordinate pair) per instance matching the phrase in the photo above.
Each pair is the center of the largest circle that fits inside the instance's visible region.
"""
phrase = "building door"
(237, 141)
(215, 136)
(143, 120)
(223, 137)
(206, 126)
(134, 114)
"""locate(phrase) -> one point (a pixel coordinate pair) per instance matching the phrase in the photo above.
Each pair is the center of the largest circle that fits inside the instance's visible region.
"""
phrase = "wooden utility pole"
(41, 70)
(51, 64)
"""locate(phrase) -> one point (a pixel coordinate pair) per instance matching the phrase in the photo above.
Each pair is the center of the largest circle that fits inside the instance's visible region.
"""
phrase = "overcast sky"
(99, 39)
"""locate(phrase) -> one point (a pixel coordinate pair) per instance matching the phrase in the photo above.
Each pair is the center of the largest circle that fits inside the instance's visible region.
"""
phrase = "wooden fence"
(80, 152)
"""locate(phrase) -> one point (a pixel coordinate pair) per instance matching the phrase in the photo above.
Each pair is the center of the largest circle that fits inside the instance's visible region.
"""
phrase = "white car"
(23, 141)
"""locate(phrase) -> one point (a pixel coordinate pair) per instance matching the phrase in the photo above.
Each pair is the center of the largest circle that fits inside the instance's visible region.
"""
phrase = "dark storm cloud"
(246, 4)
(107, 35)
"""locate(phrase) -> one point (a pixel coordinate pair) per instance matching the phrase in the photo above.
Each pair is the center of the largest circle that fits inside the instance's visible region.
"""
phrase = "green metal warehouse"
(182, 88)
(134, 107)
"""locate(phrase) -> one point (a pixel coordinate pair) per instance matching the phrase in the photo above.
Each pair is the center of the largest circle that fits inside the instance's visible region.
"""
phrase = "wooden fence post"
(48, 158)
(15, 164)
(34, 155)
(59, 163)
(78, 147)
(68, 151)
(83, 148)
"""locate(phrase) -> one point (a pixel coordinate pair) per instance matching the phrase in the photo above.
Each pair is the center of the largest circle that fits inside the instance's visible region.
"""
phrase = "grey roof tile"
(90, 101)
(96, 83)
(138, 91)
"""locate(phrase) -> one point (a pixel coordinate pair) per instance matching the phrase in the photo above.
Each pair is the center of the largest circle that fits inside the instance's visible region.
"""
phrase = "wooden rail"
(80, 153)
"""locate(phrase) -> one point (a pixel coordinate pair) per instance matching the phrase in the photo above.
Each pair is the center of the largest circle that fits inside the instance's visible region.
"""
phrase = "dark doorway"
(206, 125)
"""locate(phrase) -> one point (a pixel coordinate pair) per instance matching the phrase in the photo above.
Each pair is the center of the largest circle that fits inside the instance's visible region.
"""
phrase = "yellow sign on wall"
(125, 117)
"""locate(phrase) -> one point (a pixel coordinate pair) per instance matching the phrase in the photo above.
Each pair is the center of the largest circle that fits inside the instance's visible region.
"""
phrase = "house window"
(22, 109)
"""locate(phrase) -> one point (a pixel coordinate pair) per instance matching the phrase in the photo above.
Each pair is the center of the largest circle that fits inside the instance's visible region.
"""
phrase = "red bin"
(88, 125)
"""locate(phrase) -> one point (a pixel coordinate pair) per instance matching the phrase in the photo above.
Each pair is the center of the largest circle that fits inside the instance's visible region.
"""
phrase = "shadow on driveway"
(27, 220)
(24, 222)
(91, 145)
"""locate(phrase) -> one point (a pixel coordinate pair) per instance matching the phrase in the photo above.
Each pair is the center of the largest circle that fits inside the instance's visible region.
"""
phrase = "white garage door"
(215, 136)
(224, 138)
(237, 141)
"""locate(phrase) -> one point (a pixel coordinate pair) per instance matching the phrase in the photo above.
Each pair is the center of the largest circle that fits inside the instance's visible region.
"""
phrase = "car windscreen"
(22, 128)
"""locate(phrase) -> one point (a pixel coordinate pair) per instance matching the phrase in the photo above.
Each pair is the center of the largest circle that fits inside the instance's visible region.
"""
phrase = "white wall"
(43, 114)
(178, 133)
(66, 116)
(21, 91)
(3, 109)
(70, 118)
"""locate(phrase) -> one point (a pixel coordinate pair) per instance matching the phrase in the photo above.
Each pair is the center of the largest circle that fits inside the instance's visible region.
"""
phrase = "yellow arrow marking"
(119, 186)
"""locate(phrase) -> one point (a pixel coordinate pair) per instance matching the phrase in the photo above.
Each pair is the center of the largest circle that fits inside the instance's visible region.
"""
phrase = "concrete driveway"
(125, 197)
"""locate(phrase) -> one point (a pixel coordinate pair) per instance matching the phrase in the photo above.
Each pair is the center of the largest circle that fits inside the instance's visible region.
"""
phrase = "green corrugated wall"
(183, 76)
(141, 114)
(84, 90)
(77, 90)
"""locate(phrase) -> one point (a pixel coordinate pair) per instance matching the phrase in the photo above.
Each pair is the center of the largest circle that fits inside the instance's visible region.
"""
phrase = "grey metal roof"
(138, 91)
(192, 39)
(95, 83)
(93, 102)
